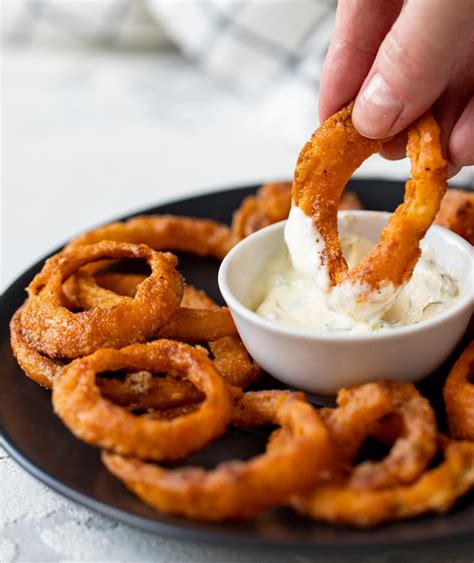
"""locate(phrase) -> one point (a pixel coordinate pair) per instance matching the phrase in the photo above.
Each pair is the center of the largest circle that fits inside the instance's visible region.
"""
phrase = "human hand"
(398, 59)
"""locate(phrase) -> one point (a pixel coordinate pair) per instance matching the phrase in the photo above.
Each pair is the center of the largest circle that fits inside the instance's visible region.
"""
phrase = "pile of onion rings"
(236, 489)
(151, 370)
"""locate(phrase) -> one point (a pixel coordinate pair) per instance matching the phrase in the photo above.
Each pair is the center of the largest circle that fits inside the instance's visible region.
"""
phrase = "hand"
(398, 59)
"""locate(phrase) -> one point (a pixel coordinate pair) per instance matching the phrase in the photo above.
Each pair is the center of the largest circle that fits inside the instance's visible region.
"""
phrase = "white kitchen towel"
(252, 45)
(266, 53)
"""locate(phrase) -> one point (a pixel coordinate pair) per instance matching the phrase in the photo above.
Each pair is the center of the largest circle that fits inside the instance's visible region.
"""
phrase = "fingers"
(359, 30)
(396, 147)
(461, 142)
(413, 65)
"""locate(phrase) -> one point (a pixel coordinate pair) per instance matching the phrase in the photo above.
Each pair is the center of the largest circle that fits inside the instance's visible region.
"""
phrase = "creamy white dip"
(296, 297)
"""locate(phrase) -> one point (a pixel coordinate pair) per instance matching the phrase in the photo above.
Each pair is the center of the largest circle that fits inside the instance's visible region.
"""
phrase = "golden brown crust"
(269, 205)
(436, 490)
(202, 237)
(459, 396)
(272, 204)
(457, 213)
(199, 325)
(53, 329)
(96, 420)
(324, 167)
(37, 366)
(142, 391)
(238, 489)
(233, 362)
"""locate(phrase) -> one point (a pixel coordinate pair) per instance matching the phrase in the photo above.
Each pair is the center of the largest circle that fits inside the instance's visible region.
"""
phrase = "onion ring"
(202, 237)
(199, 320)
(272, 204)
(97, 421)
(58, 332)
(199, 325)
(324, 167)
(38, 367)
(459, 396)
(187, 324)
(141, 391)
(238, 489)
(456, 213)
(158, 393)
(359, 411)
(233, 362)
(435, 491)
(269, 205)
(195, 321)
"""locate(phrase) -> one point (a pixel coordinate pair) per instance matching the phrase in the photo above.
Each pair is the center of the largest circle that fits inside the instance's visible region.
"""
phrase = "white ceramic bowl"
(322, 362)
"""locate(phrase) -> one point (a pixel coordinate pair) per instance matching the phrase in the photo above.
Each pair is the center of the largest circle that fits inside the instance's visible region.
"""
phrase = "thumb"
(413, 65)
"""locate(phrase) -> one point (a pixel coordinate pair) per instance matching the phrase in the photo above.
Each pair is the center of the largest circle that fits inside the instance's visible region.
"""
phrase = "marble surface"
(89, 135)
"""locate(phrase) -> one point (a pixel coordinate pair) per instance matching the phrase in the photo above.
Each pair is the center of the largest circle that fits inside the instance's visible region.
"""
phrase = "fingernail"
(376, 108)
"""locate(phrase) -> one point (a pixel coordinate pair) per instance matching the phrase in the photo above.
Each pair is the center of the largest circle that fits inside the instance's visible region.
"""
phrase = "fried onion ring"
(202, 237)
(97, 421)
(359, 411)
(272, 204)
(238, 489)
(269, 205)
(457, 213)
(37, 366)
(199, 320)
(233, 362)
(131, 392)
(58, 332)
(141, 391)
(199, 325)
(434, 491)
(188, 324)
(459, 396)
(324, 167)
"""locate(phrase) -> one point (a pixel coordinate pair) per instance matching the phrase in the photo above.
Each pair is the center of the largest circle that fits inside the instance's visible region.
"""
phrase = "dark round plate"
(39, 442)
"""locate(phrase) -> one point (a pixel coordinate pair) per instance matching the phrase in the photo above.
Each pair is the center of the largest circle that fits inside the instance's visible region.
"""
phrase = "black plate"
(40, 443)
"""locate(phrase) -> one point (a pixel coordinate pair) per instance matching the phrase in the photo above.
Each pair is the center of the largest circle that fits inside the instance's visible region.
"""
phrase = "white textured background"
(90, 135)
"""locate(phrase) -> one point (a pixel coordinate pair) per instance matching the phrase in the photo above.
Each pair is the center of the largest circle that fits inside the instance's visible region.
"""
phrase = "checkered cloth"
(250, 44)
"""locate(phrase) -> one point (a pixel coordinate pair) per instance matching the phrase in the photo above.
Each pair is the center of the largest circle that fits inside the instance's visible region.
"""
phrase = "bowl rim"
(233, 303)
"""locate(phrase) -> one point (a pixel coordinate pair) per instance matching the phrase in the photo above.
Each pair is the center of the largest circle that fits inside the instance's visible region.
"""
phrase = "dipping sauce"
(284, 295)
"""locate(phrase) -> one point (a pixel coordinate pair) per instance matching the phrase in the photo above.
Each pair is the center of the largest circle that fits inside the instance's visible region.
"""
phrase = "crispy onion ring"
(58, 332)
(238, 489)
(357, 417)
(141, 391)
(459, 396)
(97, 421)
(187, 323)
(199, 325)
(37, 366)
(233, 362)
(435, 490)
(457, 213)
(272, 204)
(202, 237)
(199, 320)
(131, 392)
(324, 167)
(269, 205)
